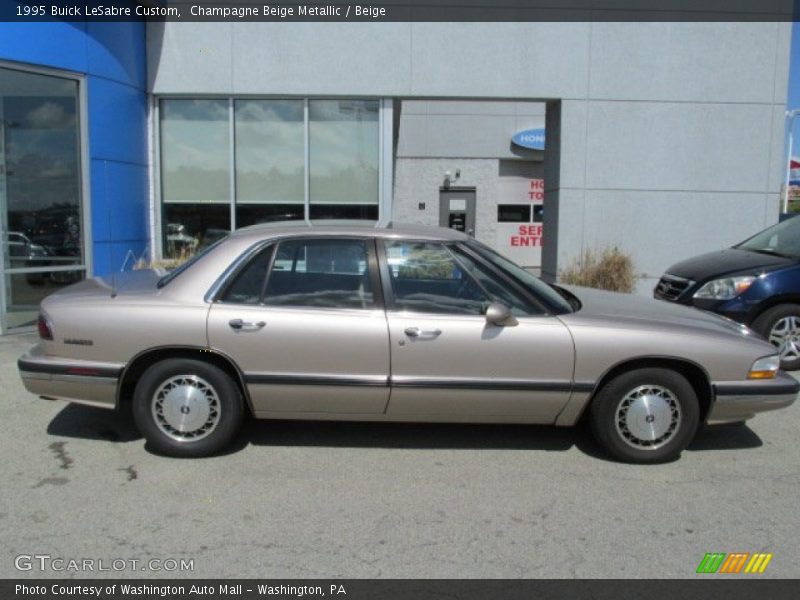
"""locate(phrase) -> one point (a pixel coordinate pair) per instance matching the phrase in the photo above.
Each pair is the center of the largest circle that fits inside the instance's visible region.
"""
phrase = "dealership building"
(123, 142)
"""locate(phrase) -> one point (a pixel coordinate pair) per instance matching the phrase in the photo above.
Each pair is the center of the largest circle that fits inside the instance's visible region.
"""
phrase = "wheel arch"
(771, 303)
(695, 374)
(145, 359)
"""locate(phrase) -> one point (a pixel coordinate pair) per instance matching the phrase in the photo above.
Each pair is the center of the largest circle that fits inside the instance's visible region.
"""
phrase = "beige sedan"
(353, 322)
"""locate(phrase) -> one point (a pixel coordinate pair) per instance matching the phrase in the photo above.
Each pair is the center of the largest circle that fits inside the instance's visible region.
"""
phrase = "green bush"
(610, 269)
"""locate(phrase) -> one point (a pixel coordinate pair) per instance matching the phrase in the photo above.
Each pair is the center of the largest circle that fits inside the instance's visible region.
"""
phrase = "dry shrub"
(610, 269)
(164, 263)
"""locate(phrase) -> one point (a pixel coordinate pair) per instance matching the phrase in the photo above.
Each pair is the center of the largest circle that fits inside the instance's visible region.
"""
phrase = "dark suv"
(756, 283)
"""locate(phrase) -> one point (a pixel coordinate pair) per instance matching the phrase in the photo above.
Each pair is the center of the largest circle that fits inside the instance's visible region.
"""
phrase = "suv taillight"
(45, 331)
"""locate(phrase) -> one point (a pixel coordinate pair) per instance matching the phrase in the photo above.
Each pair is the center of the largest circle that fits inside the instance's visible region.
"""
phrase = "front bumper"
(81, 381)
(740, 400)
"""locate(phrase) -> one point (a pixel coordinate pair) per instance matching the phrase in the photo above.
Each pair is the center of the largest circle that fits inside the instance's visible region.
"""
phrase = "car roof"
(349, 228)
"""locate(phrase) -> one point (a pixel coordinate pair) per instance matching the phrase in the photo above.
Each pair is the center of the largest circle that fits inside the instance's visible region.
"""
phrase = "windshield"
(180, 269)
(782, 239)
(541, 289)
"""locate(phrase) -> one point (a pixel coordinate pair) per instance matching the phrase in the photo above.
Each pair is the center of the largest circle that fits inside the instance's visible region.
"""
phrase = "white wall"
(663, 126)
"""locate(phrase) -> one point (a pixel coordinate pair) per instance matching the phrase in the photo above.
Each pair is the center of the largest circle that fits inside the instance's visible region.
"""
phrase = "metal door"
(457, 209)
(449, 362)
(304, 360)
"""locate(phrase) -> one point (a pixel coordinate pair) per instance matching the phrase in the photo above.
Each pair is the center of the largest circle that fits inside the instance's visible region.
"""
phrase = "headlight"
(765, 368)
(725, 288)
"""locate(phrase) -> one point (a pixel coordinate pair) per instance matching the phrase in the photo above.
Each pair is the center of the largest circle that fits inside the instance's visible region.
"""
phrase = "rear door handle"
(416, 332)
(240, 325)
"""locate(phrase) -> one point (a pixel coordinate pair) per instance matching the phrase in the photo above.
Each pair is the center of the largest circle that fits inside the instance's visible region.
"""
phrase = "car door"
(304, 320)
(448, 361)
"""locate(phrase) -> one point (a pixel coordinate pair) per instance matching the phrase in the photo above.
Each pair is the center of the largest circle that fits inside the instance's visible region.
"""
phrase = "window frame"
(244, 260)
(391, 306)
(386, 118)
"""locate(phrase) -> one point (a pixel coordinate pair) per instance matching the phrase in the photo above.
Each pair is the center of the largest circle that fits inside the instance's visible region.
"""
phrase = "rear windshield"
(181, 268)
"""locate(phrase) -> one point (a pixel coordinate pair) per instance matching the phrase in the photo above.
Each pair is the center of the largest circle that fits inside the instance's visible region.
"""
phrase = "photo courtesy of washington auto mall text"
(175, 590)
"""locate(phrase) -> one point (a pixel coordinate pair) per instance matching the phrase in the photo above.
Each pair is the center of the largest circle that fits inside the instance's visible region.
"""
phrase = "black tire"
(206, 395)
(675, 414)
(787, 319)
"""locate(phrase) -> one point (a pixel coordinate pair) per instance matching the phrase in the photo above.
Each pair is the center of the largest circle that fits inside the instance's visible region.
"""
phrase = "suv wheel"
(781, 326)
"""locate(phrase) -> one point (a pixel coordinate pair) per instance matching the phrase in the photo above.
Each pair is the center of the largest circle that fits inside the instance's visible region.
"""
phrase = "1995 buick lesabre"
(353, 322)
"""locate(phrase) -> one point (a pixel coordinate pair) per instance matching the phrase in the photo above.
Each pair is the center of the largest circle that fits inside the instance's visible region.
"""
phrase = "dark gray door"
(457, 209)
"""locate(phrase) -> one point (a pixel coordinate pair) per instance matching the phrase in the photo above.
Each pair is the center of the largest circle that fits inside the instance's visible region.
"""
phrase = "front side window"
(426, 277)
(320, 273)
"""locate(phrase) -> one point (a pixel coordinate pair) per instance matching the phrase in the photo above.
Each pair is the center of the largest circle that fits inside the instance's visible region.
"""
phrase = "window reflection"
(343, 151)
(195, 151)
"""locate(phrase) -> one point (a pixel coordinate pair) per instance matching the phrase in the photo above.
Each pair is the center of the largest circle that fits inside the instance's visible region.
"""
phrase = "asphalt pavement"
(360, 500)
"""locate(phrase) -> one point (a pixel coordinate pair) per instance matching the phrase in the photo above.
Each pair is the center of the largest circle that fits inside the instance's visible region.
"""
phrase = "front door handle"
(416, 332)
(240, 325)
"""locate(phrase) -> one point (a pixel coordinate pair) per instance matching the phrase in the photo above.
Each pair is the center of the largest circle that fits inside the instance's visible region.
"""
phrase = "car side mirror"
(499, 314)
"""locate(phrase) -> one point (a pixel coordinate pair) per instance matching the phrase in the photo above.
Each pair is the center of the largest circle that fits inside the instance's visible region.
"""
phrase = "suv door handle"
(240, 325)
(416, 332)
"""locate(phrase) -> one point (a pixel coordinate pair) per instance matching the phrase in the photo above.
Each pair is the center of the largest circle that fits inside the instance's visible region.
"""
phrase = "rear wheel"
(645, 415)
(187, 408)
(781, 326)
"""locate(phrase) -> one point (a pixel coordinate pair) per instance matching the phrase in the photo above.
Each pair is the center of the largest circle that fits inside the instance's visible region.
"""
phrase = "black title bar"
(398, 10)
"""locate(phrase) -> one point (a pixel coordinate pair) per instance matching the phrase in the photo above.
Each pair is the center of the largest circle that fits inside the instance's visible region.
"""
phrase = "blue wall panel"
(118, 53)
(117, 121)
(112, 57)
(47, 43)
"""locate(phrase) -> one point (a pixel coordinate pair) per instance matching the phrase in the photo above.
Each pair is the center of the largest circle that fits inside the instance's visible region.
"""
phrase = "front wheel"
(781, 326)
(645, 415)
(187, 408)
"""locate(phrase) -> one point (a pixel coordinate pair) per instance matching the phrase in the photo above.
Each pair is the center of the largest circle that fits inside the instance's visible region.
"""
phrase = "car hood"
(726, 262)
(616, 309)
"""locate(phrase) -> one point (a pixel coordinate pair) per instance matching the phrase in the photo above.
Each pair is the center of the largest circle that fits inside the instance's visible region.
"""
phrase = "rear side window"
(248, 286)
(320, 273)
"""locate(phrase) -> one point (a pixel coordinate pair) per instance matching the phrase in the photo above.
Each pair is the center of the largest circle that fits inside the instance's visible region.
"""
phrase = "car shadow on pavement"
(78, 421)
(736, 436)
(418, 436)
(86, 422)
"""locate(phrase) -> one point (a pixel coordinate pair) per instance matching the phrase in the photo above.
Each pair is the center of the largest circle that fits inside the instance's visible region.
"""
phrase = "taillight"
(45, 330)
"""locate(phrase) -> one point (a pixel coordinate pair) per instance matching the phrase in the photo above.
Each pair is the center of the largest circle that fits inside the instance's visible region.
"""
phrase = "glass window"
(40, 191)
(498, 289)
(513, 213)
(538, 213)
(191, 227)
(426, 277)
(343, 146)
(195, 151)
(195, 174)
(320, 273)
(247, 286)
(270, 161)
(542, 290)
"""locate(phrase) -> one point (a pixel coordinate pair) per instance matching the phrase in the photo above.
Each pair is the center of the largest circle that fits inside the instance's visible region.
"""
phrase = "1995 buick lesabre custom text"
(352, 322)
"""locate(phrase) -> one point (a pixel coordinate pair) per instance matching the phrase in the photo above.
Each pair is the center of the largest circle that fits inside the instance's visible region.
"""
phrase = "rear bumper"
(85, 382)
(741, 400)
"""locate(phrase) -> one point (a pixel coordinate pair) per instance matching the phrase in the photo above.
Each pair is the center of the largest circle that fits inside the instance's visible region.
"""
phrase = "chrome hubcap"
(648, 416)
(186, 408)
(785, 336)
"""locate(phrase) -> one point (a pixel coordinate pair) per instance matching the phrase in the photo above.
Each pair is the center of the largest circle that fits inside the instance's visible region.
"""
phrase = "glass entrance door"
(41, 238)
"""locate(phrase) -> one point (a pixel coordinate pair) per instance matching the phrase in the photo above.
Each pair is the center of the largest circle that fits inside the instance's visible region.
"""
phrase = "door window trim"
(221, 286)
